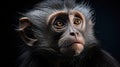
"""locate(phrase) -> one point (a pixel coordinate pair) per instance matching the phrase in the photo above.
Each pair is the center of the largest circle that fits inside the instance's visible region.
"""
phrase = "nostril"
(72, 33)
(77, 33)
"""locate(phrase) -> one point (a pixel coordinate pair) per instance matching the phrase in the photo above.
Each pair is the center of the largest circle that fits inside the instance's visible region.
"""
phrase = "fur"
(37, 56)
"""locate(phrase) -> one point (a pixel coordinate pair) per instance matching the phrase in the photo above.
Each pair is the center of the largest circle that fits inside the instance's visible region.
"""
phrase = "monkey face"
(71, 26)
(66, 29)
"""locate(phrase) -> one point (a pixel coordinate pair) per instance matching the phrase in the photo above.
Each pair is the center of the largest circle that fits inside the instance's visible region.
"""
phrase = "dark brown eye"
(59, 24)
(77, 21)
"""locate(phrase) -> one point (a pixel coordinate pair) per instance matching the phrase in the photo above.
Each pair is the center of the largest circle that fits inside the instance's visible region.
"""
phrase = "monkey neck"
(53, 59)
(59, 62)
(54, 63)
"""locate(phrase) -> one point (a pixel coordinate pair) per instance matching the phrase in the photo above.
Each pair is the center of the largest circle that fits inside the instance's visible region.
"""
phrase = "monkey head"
(70, 26)
(63, 26)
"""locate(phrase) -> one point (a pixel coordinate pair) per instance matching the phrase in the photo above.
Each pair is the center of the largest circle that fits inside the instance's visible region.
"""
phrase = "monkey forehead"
(52, 16)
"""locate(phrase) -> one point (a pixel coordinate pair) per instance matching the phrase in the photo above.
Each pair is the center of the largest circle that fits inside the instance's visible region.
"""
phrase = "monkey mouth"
(74, 43)
(72, 49)
(70, 44)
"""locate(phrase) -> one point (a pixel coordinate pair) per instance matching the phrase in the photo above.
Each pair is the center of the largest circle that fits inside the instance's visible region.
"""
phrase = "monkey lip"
(75, 43)
(71, 44)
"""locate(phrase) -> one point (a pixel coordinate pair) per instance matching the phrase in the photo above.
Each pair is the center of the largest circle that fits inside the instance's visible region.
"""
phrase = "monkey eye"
(77, 21)
(59, 24)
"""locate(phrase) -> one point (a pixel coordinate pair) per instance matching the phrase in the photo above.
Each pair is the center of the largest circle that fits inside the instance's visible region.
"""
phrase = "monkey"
(59, 33)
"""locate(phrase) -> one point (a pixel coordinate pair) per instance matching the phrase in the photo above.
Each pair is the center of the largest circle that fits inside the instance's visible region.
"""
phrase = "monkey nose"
(74, 33)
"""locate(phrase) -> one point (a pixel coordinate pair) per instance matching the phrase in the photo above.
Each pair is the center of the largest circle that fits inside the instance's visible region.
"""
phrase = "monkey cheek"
(74, 50)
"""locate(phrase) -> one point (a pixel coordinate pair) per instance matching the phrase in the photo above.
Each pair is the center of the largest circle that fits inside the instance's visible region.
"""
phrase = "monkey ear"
(26, 32)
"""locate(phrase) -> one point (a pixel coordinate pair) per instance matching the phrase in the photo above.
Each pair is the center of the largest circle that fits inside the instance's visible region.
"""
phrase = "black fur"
(92, 56)
(44, 56)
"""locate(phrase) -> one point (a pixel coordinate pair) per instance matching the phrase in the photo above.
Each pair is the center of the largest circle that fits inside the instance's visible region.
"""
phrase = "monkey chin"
(74, 50)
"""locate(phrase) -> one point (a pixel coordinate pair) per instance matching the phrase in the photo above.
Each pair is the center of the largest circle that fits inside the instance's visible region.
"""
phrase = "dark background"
(107, 28)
